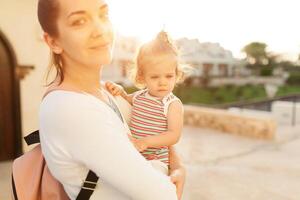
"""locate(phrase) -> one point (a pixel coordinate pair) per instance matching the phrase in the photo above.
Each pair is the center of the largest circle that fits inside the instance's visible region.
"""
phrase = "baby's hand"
(139, 144)
(114, 88)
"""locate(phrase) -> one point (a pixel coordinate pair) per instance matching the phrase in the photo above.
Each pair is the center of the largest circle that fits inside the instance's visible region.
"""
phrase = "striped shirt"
(148, 118)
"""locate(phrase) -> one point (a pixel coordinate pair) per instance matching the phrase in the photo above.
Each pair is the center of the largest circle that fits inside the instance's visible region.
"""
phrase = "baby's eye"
(154, 77)
(170, 76)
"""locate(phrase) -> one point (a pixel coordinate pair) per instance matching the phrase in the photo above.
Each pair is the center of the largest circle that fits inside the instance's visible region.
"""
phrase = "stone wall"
(252, 80)
(222, 120)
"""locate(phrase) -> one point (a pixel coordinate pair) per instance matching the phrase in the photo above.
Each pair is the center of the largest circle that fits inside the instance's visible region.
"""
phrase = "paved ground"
(5, 174)
(226, 167)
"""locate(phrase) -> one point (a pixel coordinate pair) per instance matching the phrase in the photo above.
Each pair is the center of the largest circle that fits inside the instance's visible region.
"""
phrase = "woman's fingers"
(179, 187)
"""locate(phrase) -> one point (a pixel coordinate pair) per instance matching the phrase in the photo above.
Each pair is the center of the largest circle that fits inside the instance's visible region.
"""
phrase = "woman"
(81, 129)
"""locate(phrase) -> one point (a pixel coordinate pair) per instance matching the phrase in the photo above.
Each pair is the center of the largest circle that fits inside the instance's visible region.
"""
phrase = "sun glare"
(232, 23)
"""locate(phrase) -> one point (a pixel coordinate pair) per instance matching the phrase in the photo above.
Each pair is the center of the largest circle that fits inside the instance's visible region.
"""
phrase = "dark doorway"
(10, 121)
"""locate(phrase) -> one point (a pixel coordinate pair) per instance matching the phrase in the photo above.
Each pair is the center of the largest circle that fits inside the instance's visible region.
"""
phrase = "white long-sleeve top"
(79, 132)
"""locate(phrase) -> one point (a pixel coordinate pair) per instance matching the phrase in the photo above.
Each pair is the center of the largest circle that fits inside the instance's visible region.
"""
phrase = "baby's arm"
(171, 136)
(116, 90)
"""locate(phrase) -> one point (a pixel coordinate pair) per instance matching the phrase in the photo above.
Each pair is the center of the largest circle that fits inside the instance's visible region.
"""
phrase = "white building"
(208, 59)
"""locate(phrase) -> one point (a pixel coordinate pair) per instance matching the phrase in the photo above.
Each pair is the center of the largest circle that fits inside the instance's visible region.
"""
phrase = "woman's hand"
(114, 88)
(177, 171)
(178, 178)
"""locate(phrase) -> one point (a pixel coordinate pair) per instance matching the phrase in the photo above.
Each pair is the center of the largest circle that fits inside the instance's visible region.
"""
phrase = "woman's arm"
(177, 171)
(95, 138)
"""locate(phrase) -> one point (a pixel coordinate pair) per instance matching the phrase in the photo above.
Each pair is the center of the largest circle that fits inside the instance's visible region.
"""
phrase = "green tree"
(273, 59)
(298, 61)
(256, 56)
(256, 53)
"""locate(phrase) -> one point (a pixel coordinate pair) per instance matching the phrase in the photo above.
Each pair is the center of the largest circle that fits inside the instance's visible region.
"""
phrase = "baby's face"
(160, 78)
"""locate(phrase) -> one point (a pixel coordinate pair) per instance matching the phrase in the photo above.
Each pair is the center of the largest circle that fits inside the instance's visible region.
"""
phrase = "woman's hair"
(48, 12)
(162, 47)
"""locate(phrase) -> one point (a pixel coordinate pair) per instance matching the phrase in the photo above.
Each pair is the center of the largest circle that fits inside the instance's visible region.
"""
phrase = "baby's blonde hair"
(162, 47)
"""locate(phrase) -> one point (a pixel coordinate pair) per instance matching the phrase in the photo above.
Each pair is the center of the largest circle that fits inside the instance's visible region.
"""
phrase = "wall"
(228, 122)
(18, 21)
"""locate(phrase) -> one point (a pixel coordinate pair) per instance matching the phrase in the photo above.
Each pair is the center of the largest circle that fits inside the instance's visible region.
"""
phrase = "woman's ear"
(52, 43)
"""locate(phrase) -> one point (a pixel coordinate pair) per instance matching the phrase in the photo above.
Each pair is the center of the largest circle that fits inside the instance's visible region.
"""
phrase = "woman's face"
(85, 32)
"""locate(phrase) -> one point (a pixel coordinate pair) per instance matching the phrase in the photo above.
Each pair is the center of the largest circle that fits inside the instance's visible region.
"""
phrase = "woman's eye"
(170, 76)
(79, 22)
(104, 15)
(154, 77)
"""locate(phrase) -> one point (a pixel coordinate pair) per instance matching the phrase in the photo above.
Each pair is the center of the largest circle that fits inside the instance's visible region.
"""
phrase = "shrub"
(294, 78)
(266, 71)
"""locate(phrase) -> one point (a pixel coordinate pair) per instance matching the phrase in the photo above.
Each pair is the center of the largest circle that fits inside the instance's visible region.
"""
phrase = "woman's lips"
(101, 46)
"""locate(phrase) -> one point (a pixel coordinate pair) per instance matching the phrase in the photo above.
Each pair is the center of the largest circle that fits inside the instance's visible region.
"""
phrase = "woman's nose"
(98, 28)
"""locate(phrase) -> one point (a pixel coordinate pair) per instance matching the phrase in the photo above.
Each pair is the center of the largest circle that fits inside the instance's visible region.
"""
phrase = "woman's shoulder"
(66, 103)
(63, 98)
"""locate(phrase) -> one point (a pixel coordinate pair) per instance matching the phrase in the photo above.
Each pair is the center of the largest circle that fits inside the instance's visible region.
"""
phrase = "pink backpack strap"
(31, 178)
(44, 185)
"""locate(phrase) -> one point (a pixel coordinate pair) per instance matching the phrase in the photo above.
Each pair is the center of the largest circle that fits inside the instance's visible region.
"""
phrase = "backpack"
(32, 180)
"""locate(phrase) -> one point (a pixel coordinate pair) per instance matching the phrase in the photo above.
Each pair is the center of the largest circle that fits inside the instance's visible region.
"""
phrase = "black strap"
(89, 184)
(14, 188)
(32, 138)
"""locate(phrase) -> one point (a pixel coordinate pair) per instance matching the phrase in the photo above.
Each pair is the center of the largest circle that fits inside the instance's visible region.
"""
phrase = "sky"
(231, 23)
